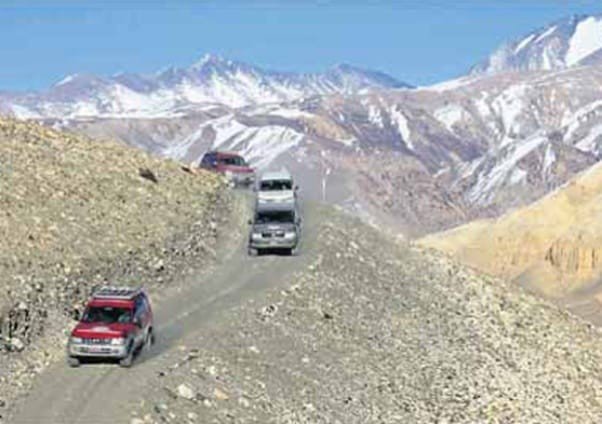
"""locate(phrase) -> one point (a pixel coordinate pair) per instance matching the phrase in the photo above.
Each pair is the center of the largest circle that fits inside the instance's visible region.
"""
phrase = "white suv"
(276, 188)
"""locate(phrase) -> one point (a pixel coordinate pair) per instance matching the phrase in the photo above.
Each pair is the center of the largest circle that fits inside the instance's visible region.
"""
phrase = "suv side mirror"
(296, 188)
(250, 222)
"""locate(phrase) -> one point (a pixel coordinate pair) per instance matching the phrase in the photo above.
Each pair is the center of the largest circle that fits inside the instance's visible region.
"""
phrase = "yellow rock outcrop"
(553, 246)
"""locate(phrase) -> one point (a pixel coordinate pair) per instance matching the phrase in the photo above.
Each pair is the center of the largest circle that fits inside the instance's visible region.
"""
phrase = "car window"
(107, 315)
(139, 305)
(208, 159)
(276, 185)
(275, 217)
(233, 160)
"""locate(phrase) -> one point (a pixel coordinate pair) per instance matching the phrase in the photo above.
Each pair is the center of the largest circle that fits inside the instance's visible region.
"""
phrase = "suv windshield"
(275, 217)
(276, 185)
(232, 160)
(107, 315)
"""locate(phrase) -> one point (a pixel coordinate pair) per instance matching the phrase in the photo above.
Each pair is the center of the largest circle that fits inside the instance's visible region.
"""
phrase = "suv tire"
(126, 361)
(150, 340)
(73, 362)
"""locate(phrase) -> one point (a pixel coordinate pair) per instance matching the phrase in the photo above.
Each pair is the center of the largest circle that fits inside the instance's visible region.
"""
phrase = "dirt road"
(104, 393)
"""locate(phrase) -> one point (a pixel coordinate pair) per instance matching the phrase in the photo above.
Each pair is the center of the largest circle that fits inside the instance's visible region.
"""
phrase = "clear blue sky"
(419, 42)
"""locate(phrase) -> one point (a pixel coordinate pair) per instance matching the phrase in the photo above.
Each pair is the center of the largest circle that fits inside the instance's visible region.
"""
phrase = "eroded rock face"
(552, 246)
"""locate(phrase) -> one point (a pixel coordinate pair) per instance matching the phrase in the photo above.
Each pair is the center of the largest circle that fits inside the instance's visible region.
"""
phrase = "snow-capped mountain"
(569, 42)
(418, 159)
(212, 80)
(428, 158)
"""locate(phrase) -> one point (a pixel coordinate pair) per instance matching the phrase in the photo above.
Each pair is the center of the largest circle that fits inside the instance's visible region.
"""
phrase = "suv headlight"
(119, 341)
(290, 235)
(76, 340)
(256, 236)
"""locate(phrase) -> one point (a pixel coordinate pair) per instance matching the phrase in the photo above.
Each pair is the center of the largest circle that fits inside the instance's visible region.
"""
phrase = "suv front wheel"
(126, 361)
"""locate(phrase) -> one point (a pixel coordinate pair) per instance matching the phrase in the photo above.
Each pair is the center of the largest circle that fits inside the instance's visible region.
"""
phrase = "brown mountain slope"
(553, 246)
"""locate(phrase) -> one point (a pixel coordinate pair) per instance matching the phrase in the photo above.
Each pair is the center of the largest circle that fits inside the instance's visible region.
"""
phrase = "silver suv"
(276, 188)
(275, 228)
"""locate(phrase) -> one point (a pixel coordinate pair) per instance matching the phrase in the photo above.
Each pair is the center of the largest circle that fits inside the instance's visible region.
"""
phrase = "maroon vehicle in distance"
(230, 164)
(116, 324)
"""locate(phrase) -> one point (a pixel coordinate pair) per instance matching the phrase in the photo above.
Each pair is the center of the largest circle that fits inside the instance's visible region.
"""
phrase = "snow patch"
(585, 41)
(450, 115)
(523, 43)
(545, 34)
(291, 113)
(549, 159)
(572, 122)
(448, 85)
(492, 178)
(400, 120)
(590, 142)
(509, 106)
(21, 112)
(65, 80)
(375, 116)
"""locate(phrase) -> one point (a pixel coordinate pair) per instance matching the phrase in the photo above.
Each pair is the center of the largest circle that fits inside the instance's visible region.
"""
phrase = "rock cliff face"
(553, 246)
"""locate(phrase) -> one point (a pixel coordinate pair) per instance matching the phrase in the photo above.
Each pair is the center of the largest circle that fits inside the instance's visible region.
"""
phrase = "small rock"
(16, 344)
(159, 266)
(137, 421)
(220, 394)
(192, 416)
(254, 349)
(244, 402)
(309, 407)
(159, 408)
(268, 311)
(185, 392)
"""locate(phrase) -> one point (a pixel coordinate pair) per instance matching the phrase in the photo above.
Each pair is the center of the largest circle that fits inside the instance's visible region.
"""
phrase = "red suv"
(117, 323)
(232, 165)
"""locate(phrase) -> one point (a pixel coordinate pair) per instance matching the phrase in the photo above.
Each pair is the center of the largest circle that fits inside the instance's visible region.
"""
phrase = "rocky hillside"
(373, 331)
(76, 213)
(553, 246)
(569, 42)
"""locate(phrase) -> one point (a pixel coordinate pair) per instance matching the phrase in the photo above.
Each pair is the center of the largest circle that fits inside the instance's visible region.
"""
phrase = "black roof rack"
(112, 292)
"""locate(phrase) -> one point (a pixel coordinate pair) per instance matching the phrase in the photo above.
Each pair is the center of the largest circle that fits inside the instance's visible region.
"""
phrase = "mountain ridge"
(567, 42)
(210, 80)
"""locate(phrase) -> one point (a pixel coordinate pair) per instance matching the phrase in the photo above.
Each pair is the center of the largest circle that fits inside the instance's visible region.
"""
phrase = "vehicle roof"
(283, 174)
(117, 292)
(115, 303)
